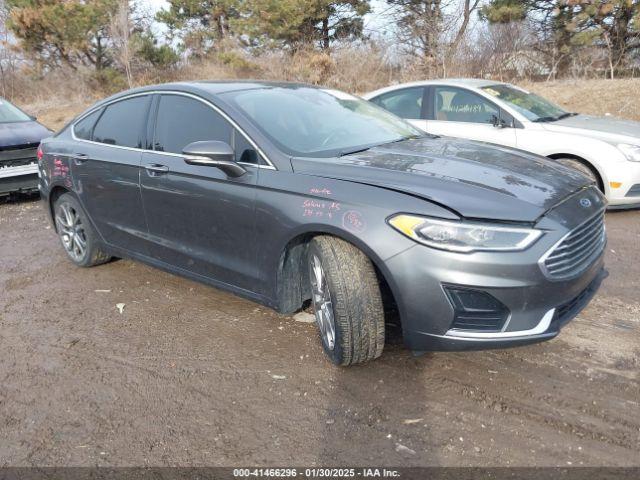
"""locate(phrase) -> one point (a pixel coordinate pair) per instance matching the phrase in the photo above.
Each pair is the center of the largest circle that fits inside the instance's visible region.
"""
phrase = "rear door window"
(406, 103)
(183, 120)
(123, 123)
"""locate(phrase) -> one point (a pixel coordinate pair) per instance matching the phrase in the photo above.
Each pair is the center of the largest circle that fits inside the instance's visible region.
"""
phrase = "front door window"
(459, 105)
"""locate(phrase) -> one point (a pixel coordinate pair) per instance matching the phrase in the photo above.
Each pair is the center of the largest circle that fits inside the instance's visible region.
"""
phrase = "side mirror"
(213, 154)
(33, 117)
(498, 122)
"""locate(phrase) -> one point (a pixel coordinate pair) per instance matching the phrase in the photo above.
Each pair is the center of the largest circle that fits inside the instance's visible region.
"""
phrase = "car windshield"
(311, 122)
(532, 106)
(10, 114)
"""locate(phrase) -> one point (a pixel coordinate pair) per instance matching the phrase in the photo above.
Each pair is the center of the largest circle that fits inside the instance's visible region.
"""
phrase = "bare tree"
(431, 31)
(468, 8)
(8, 55)
(419, 25)
(120, 31)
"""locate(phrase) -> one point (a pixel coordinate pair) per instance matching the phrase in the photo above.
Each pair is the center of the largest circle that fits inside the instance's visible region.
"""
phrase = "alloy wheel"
(322, 304)
(71, 231)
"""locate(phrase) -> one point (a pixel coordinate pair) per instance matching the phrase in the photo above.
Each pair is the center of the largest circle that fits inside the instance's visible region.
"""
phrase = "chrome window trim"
(547, 254)
(270, 165)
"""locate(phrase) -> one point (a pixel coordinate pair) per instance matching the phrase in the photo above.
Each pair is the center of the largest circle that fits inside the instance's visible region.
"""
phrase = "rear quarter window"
(84, 128)
(405, 103)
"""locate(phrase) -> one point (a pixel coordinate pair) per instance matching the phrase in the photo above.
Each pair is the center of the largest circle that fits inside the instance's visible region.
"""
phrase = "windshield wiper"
(354, 150)
(545, 119)
(368, 147)
(554, 119)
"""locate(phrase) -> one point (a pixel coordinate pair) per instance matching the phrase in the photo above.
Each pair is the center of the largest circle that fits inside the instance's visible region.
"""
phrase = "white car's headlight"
(464, 237)
(632, 152)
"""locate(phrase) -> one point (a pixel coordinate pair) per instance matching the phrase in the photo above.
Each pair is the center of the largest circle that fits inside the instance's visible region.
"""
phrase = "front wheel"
(347, 301)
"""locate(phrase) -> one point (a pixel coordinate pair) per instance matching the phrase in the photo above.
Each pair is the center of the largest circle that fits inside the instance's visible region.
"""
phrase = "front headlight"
(632, 152)
(464, 237)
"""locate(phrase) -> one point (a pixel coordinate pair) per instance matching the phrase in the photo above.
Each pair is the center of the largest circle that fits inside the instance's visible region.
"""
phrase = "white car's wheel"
(582, 168)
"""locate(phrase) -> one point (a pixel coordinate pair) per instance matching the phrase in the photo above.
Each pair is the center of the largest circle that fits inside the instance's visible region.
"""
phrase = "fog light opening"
(475, 310)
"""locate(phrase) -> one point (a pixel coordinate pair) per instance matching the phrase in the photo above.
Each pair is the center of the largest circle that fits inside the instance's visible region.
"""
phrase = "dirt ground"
(188, 375)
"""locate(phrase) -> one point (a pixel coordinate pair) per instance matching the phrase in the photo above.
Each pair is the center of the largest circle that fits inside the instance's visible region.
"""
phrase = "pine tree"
(56, 32)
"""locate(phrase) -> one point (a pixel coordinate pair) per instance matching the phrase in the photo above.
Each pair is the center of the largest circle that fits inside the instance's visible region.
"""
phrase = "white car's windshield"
(533, 107)
(306, 121)
(10, 114)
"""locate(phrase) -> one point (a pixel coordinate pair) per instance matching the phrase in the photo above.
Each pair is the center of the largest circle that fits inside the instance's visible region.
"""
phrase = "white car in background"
(604, 148)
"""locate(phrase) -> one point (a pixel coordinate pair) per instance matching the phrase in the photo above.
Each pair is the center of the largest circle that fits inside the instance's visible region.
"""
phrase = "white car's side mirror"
(498, 122)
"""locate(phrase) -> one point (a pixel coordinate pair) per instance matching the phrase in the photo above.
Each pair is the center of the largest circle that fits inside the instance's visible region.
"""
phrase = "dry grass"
(58, 97)
(55, 116)
(620, 98)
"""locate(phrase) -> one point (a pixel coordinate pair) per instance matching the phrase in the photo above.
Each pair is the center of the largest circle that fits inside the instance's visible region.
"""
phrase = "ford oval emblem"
(585, 202)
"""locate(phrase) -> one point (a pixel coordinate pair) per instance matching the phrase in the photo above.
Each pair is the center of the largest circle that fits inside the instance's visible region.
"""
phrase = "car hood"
(600, 127)
(475, 179)
(21, 133)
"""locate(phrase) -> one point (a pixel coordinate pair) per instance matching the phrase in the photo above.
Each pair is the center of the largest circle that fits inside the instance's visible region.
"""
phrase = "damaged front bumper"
(22, 178)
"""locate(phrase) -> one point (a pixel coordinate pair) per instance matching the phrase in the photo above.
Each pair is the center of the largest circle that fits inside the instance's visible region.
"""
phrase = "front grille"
(577, 250)
(634, 191)
(16, 157)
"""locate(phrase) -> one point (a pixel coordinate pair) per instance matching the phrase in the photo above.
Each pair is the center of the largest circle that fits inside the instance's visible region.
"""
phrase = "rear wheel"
(76, 233)
(347, 301)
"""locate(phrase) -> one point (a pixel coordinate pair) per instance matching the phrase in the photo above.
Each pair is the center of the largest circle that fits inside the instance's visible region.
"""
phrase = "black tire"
(78, 232)
(583, 168)
(356, 301)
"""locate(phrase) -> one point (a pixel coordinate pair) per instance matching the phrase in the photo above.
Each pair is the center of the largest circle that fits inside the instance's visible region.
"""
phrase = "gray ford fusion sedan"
(296, 196)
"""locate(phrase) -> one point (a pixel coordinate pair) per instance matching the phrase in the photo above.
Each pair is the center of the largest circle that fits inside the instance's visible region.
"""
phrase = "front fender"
(291, 208)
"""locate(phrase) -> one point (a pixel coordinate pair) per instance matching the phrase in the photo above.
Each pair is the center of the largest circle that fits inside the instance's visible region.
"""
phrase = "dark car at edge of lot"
(20, 135)
(289, 194)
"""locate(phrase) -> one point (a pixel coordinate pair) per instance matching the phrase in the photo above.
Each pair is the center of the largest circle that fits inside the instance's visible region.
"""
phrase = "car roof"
(207, 88)
(224, 86)
(456, 82)
(212, 87)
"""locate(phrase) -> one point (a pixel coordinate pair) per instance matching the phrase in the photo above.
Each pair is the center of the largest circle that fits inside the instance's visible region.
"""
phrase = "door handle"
(156, 168)
(80, 158)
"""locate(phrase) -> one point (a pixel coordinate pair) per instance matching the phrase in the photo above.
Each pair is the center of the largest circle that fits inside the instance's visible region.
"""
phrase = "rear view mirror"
(213, 154)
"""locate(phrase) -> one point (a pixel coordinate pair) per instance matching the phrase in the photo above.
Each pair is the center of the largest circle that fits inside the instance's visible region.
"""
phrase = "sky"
(155, 5)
